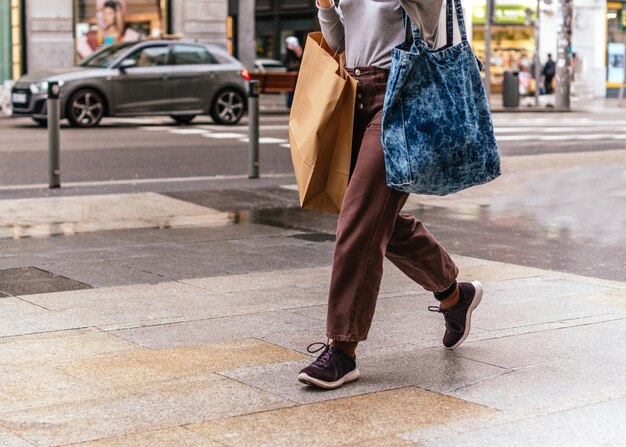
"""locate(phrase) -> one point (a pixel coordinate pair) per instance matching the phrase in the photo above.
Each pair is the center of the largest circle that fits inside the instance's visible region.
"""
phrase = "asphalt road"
(155, 148)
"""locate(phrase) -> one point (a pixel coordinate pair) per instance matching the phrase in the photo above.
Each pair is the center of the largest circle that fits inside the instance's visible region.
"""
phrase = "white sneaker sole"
(468, 320)
(308, 380)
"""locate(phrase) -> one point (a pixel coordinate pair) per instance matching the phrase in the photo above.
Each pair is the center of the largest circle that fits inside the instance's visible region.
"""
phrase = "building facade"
(274, 21)
(41, 34)
(48, 34)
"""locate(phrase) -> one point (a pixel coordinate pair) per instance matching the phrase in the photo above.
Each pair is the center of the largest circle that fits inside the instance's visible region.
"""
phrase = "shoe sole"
(308, 380)
(478, 296)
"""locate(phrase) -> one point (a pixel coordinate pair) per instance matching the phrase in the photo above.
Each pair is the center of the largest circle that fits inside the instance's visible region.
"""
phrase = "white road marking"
(188, 131)
(266, 140)
(223, 136)
(145, 181)
(572, 138)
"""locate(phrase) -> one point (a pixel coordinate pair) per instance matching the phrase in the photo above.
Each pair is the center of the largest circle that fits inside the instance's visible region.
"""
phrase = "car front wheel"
(228, 107)
(85, 108)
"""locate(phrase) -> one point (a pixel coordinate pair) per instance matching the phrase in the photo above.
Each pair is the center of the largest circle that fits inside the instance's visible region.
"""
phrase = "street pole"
(564, 45)
(246, 38)
(488, 22)
(54, 141)
(253, 128)
(537, 58)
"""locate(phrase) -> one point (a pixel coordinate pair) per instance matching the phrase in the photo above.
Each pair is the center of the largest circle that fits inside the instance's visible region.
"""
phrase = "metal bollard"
(54, 115)
(253, 127)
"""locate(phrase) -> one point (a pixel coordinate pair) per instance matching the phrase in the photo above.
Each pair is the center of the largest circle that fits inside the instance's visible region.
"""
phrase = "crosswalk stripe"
(560, 137)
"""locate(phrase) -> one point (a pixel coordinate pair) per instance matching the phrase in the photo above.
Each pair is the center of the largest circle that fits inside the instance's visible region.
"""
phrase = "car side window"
(192, 55)
(151, 56)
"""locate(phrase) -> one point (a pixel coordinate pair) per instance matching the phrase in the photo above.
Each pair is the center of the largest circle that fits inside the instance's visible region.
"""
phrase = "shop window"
(105, 22)
(295, 4)
(192, 55)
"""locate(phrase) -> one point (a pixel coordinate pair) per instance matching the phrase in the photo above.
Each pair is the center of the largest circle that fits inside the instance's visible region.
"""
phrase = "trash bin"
(510, 89)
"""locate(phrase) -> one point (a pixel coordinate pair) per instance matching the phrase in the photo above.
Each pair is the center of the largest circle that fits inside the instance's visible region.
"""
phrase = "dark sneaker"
(332, 368)
(459, 318)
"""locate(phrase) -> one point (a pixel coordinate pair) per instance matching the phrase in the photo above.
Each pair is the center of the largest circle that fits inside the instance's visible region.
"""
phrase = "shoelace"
(325, 357)
(437, 309)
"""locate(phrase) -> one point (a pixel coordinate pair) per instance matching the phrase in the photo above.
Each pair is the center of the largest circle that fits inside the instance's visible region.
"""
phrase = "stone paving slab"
(598, 424)
(576, 381)
(8, 439)
(83, 317)
(176, 436)
(190, 333)
(431, 369)
(60, 346)
(379, 415)
(79, 214)
(126, 369)
(162, 405)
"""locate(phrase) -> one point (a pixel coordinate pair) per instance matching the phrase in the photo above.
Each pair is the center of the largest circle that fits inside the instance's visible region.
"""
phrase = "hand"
(326, 3)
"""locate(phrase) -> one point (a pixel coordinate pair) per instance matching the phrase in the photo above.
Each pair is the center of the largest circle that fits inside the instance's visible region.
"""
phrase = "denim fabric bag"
(437, 131)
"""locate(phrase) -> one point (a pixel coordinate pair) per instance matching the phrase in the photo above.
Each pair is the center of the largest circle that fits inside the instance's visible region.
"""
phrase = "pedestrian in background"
(548, 72)
(370, 225)
(292, 60)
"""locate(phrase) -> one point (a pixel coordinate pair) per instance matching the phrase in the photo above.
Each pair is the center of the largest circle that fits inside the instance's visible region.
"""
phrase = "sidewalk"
(179, 321)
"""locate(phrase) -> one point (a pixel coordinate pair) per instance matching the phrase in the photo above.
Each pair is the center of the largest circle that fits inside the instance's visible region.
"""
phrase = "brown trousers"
(370, 226)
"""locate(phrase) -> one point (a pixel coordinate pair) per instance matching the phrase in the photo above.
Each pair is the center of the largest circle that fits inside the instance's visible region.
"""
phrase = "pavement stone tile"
(30, 280)
(8, 439)
(543, 388)
(189, 333)
(388, 441)
(60, 346)
(499, 272)
(126, 369)
(28, 386)
(331, 423)
(177, 436)
(600, 424)
(82, 317)
(77, 214)
(148, 294)
(208, 304)
(556, 345)
(307, 278)
(101, 273)
(10, 306)
(431, 369)
(158, 406)
(528, 301)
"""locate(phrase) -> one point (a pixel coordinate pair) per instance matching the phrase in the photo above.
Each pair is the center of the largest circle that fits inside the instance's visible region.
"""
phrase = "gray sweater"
(367, 30)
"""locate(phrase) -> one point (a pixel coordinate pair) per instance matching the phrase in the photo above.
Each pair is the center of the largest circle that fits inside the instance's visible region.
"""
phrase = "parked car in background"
(154, 77)
(268, 66)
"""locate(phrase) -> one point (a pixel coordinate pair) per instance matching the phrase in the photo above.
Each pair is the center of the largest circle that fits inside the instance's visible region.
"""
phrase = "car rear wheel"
(85, 108)
(228, 107)
(183, 119)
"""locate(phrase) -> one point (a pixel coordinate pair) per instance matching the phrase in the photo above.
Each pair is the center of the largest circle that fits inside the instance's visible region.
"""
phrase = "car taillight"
(245, 74)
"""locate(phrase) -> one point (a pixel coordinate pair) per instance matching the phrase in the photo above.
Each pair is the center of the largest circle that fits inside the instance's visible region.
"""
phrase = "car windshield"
(104, 57)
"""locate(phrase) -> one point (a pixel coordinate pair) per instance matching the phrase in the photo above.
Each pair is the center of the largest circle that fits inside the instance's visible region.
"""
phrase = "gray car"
(156, 77)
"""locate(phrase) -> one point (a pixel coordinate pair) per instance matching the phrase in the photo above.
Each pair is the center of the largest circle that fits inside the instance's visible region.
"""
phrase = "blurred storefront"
(48, 34)
(616, 46)
(276, 20)
(513, 38)
(12, 61)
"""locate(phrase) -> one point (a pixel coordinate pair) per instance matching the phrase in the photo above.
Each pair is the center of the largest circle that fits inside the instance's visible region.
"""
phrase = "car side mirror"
(127, 63)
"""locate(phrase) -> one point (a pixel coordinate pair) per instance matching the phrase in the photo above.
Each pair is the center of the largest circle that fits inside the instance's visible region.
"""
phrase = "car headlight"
(41, 87)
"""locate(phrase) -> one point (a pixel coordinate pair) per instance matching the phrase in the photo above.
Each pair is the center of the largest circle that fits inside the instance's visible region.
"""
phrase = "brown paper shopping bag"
(320, 127)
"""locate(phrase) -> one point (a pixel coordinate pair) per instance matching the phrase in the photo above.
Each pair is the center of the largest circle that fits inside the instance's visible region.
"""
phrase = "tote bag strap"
(415, 33)
(460, 19)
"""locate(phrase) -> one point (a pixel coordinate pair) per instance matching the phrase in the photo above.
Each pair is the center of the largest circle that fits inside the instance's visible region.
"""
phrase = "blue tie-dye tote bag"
(437, 131)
